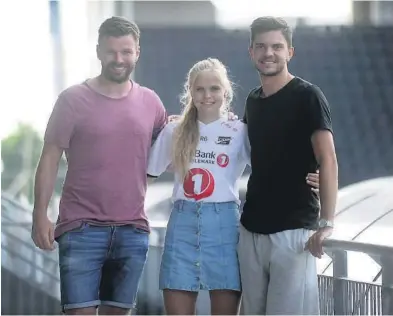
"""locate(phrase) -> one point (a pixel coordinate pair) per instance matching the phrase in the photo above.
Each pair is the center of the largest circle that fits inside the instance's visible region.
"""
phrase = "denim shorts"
(200, 247)
(101, 265)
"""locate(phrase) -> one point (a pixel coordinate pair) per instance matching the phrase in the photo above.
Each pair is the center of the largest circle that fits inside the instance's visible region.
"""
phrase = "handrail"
(10, 199)
(44, 254)
(24, 224)
(383, 255)
(349, 245)
(31, 263)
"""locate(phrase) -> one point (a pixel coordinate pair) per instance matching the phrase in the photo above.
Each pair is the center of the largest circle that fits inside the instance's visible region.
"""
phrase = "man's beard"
(110, 76)
(270, 73)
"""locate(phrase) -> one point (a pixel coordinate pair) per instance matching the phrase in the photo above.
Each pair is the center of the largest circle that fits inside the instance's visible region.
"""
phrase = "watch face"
(325, 223)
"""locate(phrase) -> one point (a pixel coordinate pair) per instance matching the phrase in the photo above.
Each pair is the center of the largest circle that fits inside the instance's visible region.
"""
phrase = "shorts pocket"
(293, 240)
(140, 230)
(78, 229)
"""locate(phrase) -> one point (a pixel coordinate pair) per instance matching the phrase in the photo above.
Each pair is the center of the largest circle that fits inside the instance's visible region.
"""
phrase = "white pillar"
(74, 18)
(382, 12)
(126, 9)
(98, 12)
(27, 64)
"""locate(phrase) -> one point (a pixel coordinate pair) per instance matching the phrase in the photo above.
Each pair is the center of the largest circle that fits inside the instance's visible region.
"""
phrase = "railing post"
(387, 285)
(340, 271)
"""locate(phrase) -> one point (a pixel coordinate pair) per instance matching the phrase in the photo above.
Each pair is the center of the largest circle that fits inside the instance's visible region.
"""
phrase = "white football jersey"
(221, 157)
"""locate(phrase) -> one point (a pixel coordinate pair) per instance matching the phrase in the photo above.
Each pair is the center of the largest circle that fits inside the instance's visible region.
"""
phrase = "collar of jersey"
(211, 123)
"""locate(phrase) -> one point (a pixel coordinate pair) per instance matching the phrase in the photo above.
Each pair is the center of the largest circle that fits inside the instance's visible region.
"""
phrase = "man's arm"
(57, 137)
(244, 120)
(324, 151)
(45, 178)
(161, 118)
(321, 132)
(160, 155)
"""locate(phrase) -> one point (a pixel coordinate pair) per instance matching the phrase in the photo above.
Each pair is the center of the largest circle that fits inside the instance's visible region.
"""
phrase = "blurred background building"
(343, 46)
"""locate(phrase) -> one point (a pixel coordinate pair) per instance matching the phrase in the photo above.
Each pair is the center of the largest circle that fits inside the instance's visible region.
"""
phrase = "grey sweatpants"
(278, 276)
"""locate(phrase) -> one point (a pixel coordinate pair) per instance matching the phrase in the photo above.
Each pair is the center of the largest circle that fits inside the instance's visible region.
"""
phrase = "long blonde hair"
(186, 135)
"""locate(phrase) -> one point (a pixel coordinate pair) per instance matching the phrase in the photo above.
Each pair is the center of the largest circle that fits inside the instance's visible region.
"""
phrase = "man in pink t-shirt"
(105, 126)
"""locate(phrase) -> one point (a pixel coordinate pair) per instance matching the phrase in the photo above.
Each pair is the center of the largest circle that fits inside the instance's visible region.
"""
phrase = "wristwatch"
(325, 223)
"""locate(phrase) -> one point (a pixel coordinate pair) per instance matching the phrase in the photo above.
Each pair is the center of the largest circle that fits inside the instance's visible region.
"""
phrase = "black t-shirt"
(280, 128)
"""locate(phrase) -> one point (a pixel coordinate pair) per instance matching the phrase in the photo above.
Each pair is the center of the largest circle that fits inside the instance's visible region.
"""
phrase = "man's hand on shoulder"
(173, 118)
(232, 116)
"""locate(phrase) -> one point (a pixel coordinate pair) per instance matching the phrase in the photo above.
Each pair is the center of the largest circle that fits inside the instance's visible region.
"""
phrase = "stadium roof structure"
(365, 212)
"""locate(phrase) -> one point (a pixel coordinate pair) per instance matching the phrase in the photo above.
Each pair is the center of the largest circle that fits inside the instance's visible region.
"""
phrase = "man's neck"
(111, 89)
(273, 84)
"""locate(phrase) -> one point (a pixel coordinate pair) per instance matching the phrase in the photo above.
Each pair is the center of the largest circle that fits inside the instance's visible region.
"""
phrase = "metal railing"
(342, 296)
(19, 254)
(27, 261)
(339, 295)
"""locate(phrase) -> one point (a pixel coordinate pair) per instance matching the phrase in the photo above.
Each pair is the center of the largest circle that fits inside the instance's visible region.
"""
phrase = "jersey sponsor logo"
(198, 184)
(203, 138)
(223, 140)
(204, 157)
(223, 160)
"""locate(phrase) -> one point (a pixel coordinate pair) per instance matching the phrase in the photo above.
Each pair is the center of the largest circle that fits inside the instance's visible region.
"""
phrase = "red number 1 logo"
(222, 160)
(198, 184)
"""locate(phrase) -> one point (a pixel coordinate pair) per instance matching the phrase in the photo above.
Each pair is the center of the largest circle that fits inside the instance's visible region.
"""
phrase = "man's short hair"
(267, 24)
(117, 26)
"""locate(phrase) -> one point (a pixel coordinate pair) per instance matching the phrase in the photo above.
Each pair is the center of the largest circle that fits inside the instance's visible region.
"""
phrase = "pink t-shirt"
(106, 142)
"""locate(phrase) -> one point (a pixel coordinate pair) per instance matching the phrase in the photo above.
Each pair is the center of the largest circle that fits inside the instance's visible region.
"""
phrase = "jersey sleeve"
(160, 156)
(319, 110)
(245, 152)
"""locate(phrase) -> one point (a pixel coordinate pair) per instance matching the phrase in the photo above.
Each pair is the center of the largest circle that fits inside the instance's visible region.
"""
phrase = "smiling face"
(208, 92)
(118, 56)
(270, 53)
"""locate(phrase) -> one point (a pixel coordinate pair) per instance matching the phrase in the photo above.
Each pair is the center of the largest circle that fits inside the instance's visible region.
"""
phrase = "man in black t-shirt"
(283, 224)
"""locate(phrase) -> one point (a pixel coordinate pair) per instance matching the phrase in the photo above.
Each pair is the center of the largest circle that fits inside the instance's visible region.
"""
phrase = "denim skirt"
(200, 247)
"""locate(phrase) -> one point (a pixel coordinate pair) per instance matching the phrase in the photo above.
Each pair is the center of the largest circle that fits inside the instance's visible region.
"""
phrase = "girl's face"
(208, 93)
